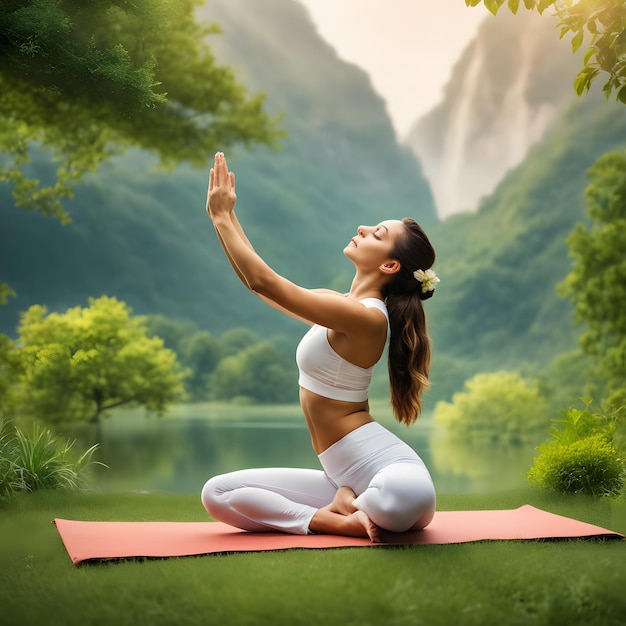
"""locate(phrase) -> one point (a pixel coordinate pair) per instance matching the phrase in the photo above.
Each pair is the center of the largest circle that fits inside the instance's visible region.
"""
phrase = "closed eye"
(380, 231)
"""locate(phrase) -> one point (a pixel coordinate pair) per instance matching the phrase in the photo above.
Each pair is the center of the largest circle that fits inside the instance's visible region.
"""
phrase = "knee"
(427, 516)
(400, 499)
(210, 495)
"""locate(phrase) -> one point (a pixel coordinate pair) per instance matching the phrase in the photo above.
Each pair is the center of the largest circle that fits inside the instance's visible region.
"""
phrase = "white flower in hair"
(428, 279)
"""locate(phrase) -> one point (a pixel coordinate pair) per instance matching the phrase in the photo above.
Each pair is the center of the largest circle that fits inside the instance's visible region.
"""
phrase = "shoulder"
(375, 303)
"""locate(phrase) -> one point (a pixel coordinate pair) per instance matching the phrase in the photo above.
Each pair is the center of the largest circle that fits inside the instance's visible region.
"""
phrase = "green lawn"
(504, 583)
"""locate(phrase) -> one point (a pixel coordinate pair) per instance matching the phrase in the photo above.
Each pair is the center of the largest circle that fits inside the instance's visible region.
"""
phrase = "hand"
(221, 196)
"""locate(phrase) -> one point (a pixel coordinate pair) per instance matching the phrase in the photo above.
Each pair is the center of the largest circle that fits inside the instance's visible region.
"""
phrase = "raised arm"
(239, 230)
(326, 308)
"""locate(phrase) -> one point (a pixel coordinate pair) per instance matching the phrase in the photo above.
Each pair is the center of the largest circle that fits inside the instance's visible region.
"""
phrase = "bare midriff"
(329, 420)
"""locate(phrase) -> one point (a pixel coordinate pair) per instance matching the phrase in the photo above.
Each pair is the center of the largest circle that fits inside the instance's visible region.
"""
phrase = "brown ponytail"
(409, 344)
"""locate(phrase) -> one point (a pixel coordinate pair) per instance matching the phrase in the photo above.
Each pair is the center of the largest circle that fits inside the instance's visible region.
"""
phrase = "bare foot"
(356, 524)
(373, 532)
(343, 502)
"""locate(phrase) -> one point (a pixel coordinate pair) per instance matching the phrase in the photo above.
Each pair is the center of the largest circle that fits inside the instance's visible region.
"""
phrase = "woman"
(371, 480)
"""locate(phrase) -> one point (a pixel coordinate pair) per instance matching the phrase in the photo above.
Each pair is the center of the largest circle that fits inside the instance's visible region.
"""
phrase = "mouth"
(353, 242)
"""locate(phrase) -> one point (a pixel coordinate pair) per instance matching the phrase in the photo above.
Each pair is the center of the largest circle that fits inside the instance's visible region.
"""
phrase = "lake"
(180, 451)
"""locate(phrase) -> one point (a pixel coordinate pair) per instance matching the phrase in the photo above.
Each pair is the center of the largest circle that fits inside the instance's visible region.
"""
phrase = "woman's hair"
(409, 344)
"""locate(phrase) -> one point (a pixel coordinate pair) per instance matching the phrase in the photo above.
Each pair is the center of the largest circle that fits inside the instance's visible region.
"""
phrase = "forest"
(139, 233)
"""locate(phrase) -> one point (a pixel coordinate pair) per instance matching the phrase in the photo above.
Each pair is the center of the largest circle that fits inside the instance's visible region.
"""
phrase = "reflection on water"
(179, 452)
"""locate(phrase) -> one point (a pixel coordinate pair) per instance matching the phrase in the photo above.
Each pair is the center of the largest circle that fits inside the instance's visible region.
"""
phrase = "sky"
(408, 47)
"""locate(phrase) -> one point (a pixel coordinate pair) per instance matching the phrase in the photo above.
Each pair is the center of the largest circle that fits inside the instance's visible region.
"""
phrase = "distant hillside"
(497, 306)
(506, 92)
(143, 236)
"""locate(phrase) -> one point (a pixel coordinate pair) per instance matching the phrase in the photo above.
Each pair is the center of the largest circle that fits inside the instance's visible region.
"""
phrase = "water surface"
(179, 452)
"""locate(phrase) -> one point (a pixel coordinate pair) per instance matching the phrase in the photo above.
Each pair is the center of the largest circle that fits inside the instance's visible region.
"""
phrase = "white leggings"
(390, 481)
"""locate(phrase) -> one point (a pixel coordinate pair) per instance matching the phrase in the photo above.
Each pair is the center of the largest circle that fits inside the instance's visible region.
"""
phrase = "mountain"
(142, 235)
(505, 94)
(497, 306)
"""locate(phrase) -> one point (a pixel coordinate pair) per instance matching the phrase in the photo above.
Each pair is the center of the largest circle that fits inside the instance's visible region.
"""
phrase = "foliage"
(590, 466)
(597, 282)
(5, 293)
(38, 460)
(144, 236)
(171, 331)
(602, 22)
(582, 456)
(259, 373)
(79, 364)
(501, 265)
(501, 406)
(248, 367)
(9, 369)
(569, 376)
(86, 80)
(200, 353)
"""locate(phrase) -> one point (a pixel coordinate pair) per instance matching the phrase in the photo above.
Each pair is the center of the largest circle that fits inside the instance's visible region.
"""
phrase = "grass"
(505, 583)
(38, 460)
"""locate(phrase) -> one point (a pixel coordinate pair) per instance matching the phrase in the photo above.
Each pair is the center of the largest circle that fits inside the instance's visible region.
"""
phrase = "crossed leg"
(341, 517)
(400, 497)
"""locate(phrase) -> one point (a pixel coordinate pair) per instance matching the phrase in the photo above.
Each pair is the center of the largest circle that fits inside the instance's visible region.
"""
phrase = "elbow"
(260, 283)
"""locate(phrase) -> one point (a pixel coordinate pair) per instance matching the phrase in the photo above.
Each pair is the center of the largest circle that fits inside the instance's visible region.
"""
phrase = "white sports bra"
(325, 373)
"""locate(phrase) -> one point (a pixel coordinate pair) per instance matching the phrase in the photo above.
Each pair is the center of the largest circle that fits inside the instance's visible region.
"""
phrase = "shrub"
(38, 460)
(499, 406)
(590, 466)
(582, 456)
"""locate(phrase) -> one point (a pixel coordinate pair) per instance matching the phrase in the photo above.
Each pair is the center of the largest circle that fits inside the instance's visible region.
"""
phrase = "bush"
(590, 466)
(582, 456)
(38, 460)
(500, 406)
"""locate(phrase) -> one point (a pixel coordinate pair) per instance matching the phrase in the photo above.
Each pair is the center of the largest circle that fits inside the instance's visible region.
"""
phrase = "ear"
(390, 267)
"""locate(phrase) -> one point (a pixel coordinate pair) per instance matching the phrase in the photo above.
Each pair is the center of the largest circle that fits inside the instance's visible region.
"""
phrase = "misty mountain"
(497, 306)
(505, 94)
(143, 235)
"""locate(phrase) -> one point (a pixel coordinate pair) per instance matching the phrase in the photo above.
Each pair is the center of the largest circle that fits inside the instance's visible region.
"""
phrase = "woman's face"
(373, 245)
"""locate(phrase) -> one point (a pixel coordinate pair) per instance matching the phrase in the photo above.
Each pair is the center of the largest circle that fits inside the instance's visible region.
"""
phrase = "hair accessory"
(428, 279)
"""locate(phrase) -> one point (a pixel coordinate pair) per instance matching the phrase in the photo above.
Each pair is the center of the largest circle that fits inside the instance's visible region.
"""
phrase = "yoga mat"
(88, 541)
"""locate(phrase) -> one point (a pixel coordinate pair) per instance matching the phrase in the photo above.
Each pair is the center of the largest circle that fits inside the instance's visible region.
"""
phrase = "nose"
(361, 230)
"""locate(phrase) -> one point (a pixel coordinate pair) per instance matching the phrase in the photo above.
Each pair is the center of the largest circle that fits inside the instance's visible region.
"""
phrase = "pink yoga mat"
(87, 541)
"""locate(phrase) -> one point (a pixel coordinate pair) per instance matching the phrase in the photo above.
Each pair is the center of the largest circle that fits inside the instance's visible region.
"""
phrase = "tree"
(9, 368)
(494, 407)
(86, 80)
(200, 353)
(597, 282)
(172, 331)
(82, 363)
(236, 340)
(260, 373)
(602, 22)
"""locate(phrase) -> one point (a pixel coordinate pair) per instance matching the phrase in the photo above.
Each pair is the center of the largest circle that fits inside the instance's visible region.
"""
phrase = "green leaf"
(513, 5)
(588, 55)
(607, 58)
(577, 40)
(492, 6)
(530, 4)
(583, 80)
(544, 4)
(621, 94)
(87, 83)
(607, 88)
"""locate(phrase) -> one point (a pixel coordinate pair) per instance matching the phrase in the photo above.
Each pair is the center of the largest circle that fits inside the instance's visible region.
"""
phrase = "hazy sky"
(408, 47)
